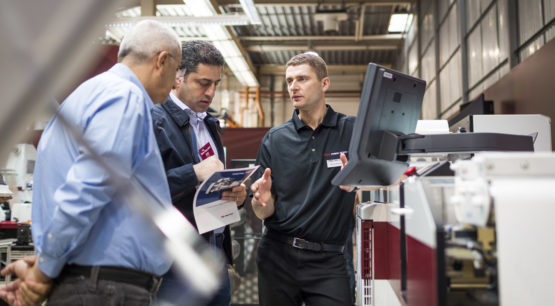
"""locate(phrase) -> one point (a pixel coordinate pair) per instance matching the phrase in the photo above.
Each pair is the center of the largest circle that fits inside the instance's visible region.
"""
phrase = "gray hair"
(146, 39)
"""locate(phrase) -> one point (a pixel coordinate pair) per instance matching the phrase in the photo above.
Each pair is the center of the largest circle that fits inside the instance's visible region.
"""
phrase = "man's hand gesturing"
(263, 201)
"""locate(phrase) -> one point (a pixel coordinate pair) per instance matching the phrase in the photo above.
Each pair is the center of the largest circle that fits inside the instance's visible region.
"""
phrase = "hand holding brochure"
(210, 210)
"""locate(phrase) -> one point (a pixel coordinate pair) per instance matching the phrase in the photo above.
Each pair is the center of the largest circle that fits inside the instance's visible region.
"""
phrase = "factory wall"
(463, 47)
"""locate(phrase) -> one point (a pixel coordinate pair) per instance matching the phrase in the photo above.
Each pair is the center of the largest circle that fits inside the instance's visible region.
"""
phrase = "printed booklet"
(211, 212)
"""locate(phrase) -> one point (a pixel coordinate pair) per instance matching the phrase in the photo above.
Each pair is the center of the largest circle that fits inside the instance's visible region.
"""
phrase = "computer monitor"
(389, 107)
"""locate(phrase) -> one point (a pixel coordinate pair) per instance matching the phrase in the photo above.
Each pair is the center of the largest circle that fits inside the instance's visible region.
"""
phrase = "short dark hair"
(195, 52)
(312, 59)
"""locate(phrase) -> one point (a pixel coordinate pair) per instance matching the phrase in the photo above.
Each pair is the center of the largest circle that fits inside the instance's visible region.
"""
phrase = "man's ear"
(160, 59)
(177, 83)
(325, 84)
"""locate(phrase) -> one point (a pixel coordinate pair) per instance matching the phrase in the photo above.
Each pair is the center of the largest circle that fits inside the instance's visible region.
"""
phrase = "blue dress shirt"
(78, 217)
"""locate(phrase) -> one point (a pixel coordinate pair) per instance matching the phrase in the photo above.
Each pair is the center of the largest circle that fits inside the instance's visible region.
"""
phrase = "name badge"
(334, 163)
(206, 151)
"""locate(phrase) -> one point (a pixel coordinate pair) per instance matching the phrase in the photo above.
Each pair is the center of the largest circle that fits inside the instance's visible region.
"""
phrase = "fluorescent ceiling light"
(229, 46)
(399, 23)
(178, 21)
(200, 8)
(222, 40)
(195, 13)
(186, 19)
(216, 33)
(250, 10)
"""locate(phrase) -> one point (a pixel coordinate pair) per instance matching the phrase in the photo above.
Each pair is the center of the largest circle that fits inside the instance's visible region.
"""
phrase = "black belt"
(302, 244)
(117, 274)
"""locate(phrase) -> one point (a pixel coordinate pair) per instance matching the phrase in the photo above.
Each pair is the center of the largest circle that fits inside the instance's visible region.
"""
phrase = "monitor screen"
(390, 105)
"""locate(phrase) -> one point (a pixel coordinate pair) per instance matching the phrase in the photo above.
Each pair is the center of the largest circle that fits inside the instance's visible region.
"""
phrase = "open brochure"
(211, 212)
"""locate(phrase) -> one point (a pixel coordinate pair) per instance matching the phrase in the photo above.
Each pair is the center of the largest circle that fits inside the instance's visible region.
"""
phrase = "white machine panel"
(419, 220)
(518, 125)
(525, 243)
(521, 190)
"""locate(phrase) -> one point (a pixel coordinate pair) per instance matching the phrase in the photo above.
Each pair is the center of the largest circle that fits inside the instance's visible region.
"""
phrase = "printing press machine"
(461, 230)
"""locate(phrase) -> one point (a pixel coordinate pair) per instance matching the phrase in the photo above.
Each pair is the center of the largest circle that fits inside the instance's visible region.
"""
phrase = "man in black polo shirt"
(300, 258)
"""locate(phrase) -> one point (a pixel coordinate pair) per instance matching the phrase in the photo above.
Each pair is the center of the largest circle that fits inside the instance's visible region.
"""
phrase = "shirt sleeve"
(264, 159)
(114, 129)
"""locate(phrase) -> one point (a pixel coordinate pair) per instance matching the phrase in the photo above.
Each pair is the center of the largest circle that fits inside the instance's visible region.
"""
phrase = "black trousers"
(90, 292)
(291, 276)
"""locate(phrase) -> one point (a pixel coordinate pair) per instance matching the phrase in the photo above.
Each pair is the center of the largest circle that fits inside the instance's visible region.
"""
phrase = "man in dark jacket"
(190, 145)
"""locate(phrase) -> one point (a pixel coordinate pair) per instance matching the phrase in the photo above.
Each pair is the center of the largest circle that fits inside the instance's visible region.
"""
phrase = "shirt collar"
(181, 118)
(125, 72)
(330, 119)
(187, 109)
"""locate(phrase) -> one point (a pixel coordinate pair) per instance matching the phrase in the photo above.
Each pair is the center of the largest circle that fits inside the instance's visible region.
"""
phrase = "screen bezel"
(372, 156)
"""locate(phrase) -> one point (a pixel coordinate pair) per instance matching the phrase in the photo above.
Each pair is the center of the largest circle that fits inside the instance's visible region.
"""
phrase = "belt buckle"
(155, 285)
(299, 243)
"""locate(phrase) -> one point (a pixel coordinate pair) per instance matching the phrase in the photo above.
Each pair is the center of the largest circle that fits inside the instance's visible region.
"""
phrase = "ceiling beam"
(270, 48)
(148, 8)
(163, 2)
(305, 43)
(382, 37)
(316, 2)
(185, 21)
(332, 69)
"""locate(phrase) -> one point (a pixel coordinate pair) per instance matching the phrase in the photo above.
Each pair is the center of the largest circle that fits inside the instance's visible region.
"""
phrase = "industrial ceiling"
(344, 33)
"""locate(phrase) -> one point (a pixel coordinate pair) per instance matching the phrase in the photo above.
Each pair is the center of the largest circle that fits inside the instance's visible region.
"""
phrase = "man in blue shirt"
(92, 247)
(190, 145)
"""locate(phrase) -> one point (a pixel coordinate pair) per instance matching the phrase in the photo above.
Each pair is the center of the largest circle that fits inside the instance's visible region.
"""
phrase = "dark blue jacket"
(173, 134)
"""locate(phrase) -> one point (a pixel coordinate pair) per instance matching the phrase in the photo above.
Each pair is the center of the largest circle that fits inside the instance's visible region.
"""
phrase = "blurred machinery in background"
(18, 172)
(479, 237)
(465, 228)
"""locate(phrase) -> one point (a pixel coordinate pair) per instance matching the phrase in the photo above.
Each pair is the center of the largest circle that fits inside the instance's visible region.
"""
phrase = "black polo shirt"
(303, 163)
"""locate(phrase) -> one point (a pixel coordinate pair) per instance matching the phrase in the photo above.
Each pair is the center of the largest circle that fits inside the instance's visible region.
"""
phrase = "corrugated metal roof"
(292, 28)
(287, 30)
